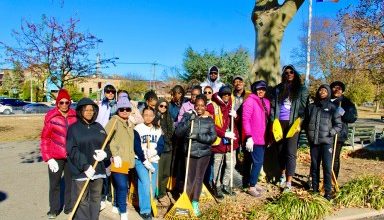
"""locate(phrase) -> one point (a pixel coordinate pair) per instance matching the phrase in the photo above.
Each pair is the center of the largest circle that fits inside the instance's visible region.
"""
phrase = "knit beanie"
(63, 94)
(123, 102)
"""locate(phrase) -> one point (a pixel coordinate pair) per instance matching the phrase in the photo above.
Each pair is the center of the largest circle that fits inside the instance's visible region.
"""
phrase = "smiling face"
(337, 91)
(200, 107)
(323, 93)
(261, 92)
(208, 92)
(148, 116)
(162, 107)
(64, 105)
(289, 74)
(194, 93)
(238, 84)
(88, 112)
(124, 113)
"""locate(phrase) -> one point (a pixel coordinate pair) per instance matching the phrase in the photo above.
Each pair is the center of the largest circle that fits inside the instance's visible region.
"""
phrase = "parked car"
(15, 103)
(5, 109)
(36, 108)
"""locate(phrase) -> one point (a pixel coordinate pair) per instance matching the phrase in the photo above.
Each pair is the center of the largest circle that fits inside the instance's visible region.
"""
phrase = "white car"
(5, 109)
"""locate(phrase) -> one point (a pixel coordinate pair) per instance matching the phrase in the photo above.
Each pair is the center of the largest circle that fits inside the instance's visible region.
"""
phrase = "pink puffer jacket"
(54, 134)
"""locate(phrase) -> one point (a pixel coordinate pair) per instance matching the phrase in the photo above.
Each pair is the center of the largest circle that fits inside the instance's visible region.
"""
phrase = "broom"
(231, 183)
(334, 179)
(70, 217)
(153, 203)
(183, 207)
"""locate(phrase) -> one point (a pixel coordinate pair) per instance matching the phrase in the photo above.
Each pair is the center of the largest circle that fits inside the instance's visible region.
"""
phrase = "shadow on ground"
(369, 154)
(3, 196)
(31, 157)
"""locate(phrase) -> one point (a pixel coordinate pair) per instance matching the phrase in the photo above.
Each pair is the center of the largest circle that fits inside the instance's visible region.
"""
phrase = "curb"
(354, 213)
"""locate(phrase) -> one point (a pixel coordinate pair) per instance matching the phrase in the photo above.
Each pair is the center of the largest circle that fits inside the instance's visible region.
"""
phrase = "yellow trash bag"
(277, 130)
(294, 128)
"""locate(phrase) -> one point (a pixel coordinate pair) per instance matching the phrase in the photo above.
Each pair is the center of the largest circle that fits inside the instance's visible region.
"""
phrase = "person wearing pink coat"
(256, 111)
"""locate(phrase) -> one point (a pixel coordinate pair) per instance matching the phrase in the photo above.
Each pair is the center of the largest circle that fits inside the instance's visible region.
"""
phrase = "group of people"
(152, 144)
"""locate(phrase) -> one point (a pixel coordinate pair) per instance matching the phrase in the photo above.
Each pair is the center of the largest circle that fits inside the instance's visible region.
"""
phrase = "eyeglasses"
(289, 72)
(63, 102)
(125, 109)
(110, 91)
(163, 106)
(207, 92)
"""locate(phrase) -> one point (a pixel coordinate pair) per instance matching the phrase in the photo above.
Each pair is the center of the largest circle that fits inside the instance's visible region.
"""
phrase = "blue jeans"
(143, 186)
(121, 188)
(257, 162)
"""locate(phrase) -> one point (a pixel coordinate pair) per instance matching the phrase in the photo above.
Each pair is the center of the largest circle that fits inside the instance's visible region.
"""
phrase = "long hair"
(290, 90)
(154, 122)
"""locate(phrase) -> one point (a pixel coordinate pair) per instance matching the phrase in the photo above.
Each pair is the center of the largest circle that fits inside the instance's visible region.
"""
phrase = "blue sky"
(147, 31)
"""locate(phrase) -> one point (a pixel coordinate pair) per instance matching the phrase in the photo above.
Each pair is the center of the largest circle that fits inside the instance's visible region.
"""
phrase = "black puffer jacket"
(350, 116)
(204, 128)
(322, 121)
(82, 141)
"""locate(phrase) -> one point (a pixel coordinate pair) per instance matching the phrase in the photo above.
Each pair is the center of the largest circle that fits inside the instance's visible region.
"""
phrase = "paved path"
(24, 184)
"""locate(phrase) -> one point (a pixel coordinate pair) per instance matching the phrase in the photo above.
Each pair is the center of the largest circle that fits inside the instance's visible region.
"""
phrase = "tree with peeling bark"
(56, 52)
(270, 20)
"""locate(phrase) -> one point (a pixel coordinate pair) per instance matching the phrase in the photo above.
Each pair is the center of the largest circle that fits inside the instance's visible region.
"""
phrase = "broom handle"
(232, 119)
(70, 217)
(189, 154)
(150, 177)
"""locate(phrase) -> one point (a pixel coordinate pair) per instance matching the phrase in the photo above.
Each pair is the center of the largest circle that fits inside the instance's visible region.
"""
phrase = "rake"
(183, 206)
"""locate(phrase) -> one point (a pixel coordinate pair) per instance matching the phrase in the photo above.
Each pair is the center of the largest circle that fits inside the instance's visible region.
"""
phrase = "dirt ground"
(20, 128)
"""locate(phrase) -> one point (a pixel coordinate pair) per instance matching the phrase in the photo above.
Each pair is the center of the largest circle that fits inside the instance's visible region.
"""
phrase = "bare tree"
(55, 51)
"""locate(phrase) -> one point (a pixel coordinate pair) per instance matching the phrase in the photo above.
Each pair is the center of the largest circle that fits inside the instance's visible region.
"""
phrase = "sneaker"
(218, 193)
(51, 215)
(227, 190)
(146, 216)
(115, 210)
(67, 211)
(103, 204)
(123, 216)
(282, 181)
(328, 196)
(195, 206)
(260, 189)
(253, 192)
(164, 201)
(287, 189)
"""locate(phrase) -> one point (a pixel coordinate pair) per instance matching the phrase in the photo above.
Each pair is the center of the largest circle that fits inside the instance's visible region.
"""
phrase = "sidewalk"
(355, 213)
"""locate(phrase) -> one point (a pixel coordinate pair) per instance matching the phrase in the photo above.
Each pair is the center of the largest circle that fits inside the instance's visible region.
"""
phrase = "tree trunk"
(270, 20)
(377, 108)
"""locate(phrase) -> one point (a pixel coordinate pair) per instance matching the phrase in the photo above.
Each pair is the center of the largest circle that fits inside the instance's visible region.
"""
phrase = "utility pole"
(154, 75)
(309, 43)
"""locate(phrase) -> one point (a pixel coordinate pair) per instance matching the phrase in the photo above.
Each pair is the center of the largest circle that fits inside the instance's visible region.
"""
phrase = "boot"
(227, 190)
(195, 206)
(218, 193)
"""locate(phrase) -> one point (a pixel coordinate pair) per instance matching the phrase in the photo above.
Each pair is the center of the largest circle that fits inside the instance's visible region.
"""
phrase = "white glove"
(341, 111)
(230, 134)
(53, 165)
(90, 172)
(151, 153)
(117, 161)
(154, 158)
(233, 113)
(108, 171)
(99, 155)
(149, 166)
(249, 144)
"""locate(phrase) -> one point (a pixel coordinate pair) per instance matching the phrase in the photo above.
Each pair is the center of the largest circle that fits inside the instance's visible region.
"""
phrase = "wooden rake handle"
(70, 217)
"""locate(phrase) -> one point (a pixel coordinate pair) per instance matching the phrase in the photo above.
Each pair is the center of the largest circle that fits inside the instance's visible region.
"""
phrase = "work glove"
(193, 136)
(108, 171)
(151, 153)
(249, 144)
(53, 165)
(230, 134)
(233, 113)
(340, 110)
(90, 172)
(99, 155)
(193, 115)
(117, 161)
(149, 166)
(154, 158)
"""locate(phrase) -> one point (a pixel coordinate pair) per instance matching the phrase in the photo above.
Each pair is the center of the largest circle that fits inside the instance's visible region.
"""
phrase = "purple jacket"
(255, 118)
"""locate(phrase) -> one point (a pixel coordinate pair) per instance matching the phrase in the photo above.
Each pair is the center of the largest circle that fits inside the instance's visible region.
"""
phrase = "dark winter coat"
(322, 121)
(204, 131)
(166, 124)
(350, 116)
(82, 141)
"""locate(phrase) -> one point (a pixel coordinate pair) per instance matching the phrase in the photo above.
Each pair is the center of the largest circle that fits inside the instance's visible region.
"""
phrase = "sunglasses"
(125, 109)
(110, 91)
(207, 92)
(215, 73)
(63, 102)
(163, 106)
(289, 72)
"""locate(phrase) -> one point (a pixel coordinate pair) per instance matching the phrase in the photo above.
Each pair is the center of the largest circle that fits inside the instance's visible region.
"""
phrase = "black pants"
(164, 172)
(247, 165)
(89, 206)
(321, 153)
(54, 187)
(336, 165)
(287, 150)
(197, 168)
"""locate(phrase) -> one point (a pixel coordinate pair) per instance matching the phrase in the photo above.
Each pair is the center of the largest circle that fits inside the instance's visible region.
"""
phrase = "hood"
(289, 66)
(217, 99)
(83, 102)
(218, 74)
(327, 87)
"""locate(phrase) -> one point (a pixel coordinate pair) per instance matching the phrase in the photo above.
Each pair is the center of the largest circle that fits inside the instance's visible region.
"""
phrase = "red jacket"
(226, 122)
(53, 136)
